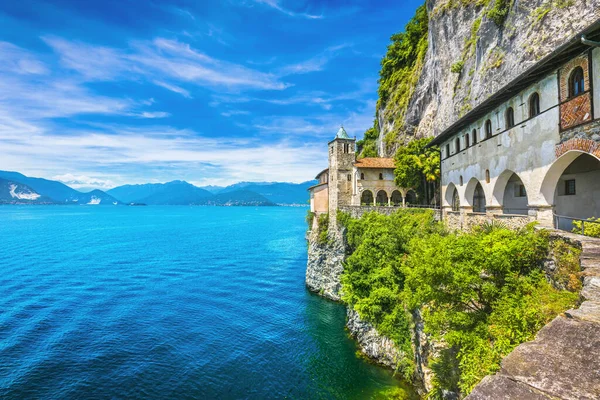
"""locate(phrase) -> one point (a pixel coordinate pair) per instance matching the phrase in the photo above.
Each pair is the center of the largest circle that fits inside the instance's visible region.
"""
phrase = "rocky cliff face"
(470, 56)
(324, 268)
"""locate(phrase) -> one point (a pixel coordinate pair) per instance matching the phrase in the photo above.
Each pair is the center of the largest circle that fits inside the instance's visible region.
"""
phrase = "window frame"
(576, 88)
(534, 105)
(568, 188)
(488, 129)
(509, 118)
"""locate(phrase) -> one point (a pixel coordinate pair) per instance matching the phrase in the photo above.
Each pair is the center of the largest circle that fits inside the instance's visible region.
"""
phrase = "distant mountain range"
(16, 188)
(43, 191)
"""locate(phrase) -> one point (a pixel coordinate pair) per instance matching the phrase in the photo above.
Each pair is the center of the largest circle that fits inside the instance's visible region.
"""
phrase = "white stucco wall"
(527, 149)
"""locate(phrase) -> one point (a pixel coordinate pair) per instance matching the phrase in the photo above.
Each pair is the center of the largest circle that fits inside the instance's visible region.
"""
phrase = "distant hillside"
(277, 192)
(184, 193)
(174, 193)
(241, 198)
(12, 192)
(58, 192)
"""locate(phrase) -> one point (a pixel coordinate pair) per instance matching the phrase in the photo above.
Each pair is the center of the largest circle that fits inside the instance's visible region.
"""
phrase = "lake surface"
(168, 302)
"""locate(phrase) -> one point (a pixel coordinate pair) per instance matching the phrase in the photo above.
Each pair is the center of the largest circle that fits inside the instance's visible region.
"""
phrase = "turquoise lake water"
(168, 303)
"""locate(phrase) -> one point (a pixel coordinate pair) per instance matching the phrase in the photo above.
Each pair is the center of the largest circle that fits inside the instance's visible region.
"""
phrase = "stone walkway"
(563, 362)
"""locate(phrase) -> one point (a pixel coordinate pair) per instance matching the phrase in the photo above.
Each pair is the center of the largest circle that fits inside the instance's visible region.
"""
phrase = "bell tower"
(342, 157)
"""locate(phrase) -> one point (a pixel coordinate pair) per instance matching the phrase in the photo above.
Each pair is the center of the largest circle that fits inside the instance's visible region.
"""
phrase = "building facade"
(533, 148)
(356, 182)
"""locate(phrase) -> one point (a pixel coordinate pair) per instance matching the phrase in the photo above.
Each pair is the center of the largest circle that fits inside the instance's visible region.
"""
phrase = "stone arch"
(449, 193)
(470, 190)
(515, 199)
(500, 186)
(557, 168)
(382, 198)
(396, 198)
(411, 197)
(367, 198)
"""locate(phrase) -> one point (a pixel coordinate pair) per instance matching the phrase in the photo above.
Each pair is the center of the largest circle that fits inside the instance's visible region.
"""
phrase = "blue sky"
(102, 93)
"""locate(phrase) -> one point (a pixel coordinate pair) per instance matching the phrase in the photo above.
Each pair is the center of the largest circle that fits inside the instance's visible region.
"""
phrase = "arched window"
(461, 180)
(534, 105)
(455, 201)
(349, 177)
(474, 134)
(457, 144)
(510, 118)
(576, 82)
(467, 141)
(447, 150)
(380, 176)
(488, 129)
(362, 175)
(487, 176)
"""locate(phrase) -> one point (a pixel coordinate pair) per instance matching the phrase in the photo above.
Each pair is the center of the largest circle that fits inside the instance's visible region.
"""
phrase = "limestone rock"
(376, 346)
(325, 266)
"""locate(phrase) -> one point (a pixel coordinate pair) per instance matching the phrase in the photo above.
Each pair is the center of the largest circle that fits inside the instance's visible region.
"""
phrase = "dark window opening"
(534, 105)
(487, 176)
(521, 191)
(447, 150)
(570, 187)
(474, 136)
(362, 176)
(488, 129)
(461, 180)
(576, 82)
(380, 176)
(467, 141)
(349, 178)
(457, 144)
(510, 118)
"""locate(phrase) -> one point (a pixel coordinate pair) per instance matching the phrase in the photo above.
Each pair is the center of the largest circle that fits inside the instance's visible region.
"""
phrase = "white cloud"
(173, 88)
(154, 114)
(83, 181)
(276, 4)
(157, 60)
(228, 160)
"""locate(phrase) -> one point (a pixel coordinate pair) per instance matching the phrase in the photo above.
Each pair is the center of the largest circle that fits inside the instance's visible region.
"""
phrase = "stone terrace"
(563, 362)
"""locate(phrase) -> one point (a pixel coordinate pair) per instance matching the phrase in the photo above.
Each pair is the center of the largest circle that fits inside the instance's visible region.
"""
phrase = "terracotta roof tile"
(375, 162)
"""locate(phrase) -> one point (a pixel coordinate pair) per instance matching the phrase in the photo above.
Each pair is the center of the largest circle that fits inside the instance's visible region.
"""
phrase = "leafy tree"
(418, 167)
(367, 147)
(480, 294)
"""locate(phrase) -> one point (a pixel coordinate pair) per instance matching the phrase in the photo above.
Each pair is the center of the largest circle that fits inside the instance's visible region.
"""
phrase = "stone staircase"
(563, 362)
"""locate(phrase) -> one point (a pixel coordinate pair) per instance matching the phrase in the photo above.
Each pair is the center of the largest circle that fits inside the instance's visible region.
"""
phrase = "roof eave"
(553, 60)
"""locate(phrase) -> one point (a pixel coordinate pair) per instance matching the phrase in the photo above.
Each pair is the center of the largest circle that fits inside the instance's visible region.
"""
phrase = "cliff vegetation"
(480, 294)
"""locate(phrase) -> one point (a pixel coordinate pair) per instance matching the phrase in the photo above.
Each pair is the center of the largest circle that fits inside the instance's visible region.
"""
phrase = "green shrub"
(480, 293)
(457, 67)
(310, 216)
(323, 223)
(499, 11)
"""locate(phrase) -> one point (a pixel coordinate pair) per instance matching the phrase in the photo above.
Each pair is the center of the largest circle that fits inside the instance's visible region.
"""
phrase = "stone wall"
(358, 211)
(466, 221)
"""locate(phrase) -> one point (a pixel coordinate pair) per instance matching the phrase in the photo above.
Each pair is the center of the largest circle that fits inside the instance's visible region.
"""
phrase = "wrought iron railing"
(559, 218)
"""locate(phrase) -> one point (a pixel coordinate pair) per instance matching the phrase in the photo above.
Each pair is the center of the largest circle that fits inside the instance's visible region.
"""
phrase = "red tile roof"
(375, 162)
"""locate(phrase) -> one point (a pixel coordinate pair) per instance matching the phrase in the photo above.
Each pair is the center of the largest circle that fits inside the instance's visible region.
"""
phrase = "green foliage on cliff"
(373, 279)
(367, 147)
(401, 68)
(323, 224)
(418, 167)
(499, 11)
(480, 293)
